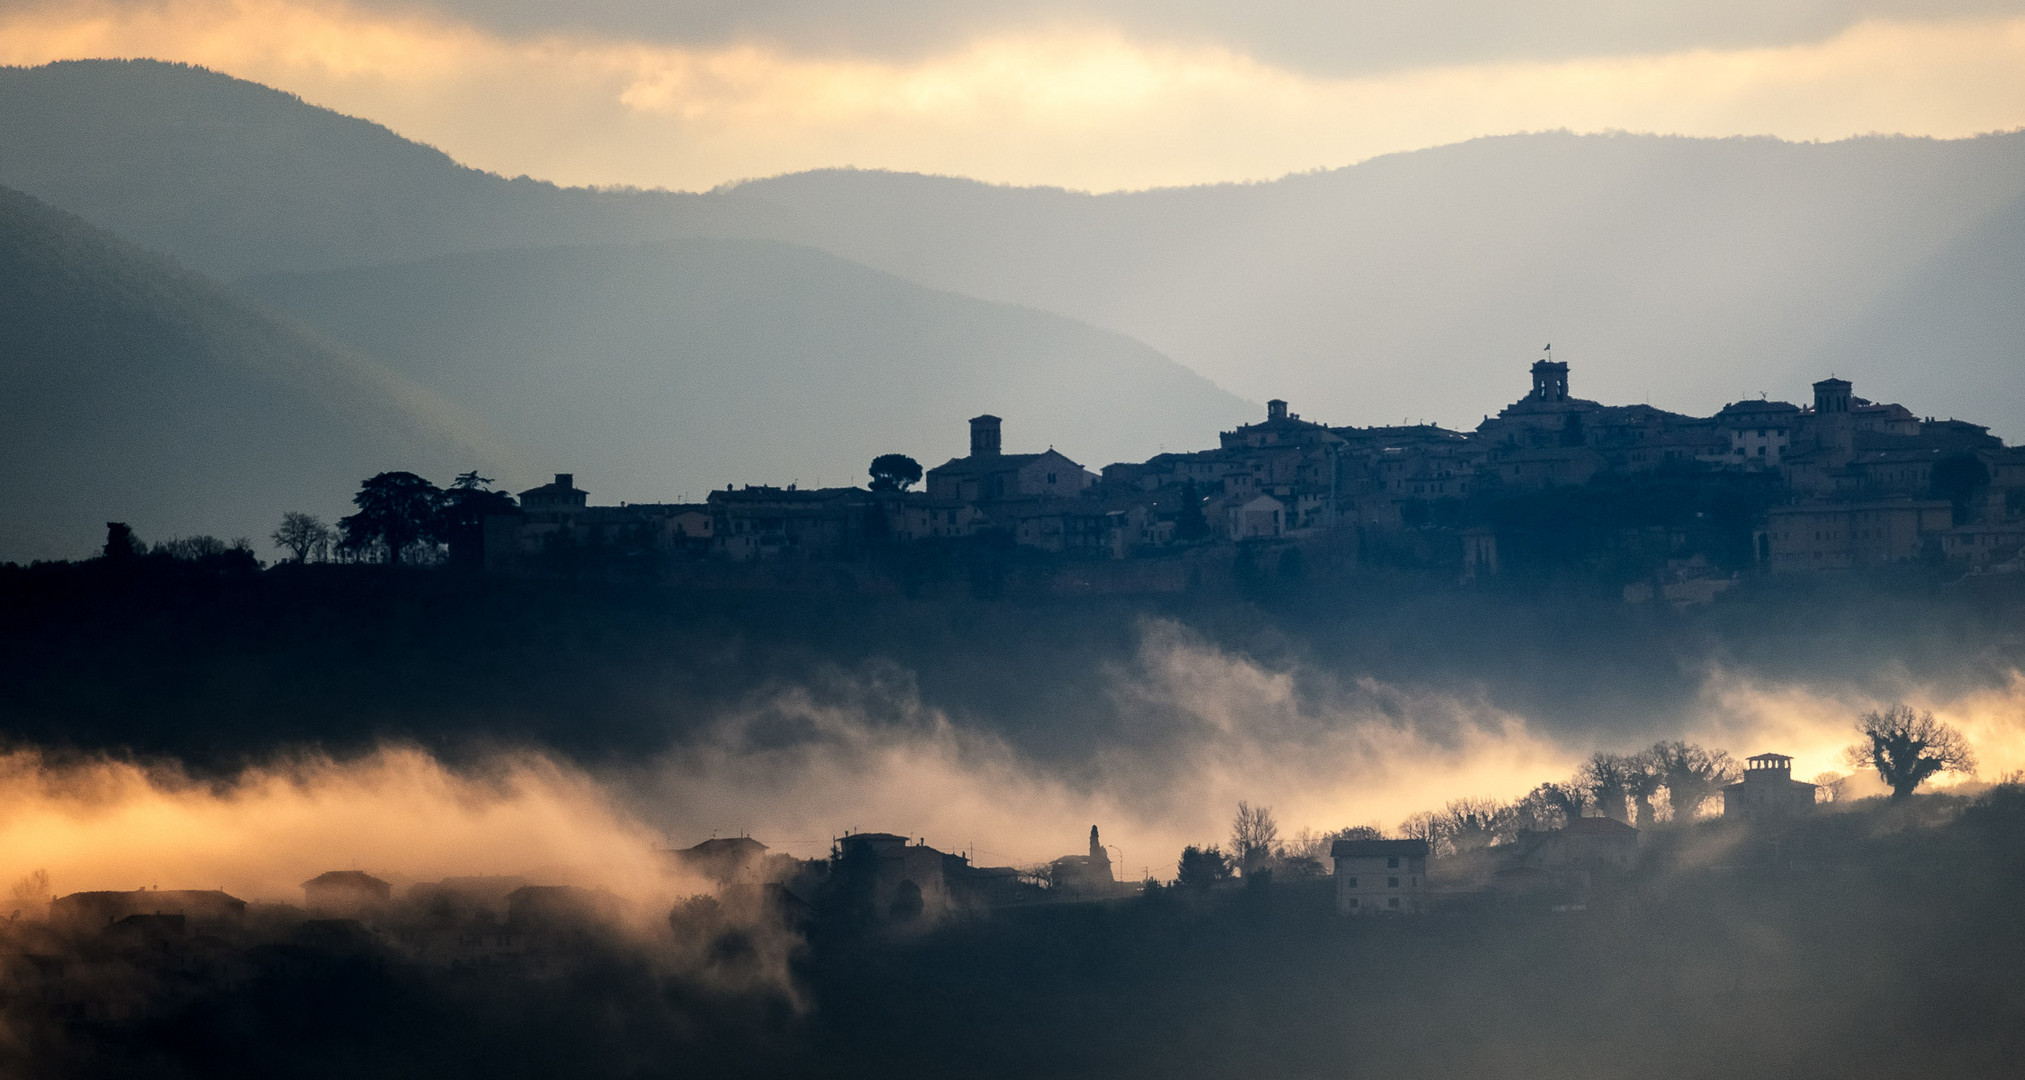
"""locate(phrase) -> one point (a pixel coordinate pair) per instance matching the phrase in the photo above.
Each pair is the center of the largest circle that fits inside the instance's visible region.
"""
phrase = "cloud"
(1087, 102)
(1197, 729)
(1348, 37)
(398, 813)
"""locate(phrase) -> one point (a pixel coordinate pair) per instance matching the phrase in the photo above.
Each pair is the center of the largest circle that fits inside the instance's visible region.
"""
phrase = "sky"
(1096, 95)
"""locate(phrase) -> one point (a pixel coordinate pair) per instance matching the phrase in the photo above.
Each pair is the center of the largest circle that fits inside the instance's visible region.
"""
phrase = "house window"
(1353, 903)
(1350, 884)
(1392, 863)
(1392, 883)
(1394, 902)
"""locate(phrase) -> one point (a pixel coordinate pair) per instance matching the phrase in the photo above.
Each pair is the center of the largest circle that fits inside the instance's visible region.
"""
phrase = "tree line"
(401, 518)
(1670, 782)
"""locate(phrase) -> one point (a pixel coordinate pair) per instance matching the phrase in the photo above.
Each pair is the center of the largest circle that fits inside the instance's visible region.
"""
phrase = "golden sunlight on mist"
(1204, 729)
(397, 813)
(1814, 724)
(1079, 106)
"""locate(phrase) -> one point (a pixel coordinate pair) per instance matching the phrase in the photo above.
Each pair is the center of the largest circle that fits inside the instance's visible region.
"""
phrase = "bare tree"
(1692, 775)
(191, 548)
(1828, 787)
(1539, 811)
(1643, 783)
(1254, 837)
(1425, 825)
(1907, 748)
(1475, 824)
(31, 893)
(304, 536)
(1571, 798)
(1607, 778)
(1316, 845)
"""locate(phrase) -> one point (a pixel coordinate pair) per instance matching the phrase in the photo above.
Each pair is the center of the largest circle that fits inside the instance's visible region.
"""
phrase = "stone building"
(1823, 535)
(1767, 791)
(987, 474)
(1084, 875)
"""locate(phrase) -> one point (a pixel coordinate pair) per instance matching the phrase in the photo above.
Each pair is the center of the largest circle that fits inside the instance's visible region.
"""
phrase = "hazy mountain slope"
(1962, 315)
(236, 178)
(1688, 271)
(134, 390)
(659, 371)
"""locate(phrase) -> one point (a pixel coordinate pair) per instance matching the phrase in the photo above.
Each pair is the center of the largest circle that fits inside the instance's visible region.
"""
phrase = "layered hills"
(1683, 272)
(137, 390)
(659, 371)
(236, 178)
(661, 342)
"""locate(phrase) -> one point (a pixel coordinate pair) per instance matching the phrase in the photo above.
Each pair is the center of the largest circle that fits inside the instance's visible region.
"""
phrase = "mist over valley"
(860, 623)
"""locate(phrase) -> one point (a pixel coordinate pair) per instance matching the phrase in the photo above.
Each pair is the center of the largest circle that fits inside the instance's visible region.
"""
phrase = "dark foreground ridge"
(212, 660)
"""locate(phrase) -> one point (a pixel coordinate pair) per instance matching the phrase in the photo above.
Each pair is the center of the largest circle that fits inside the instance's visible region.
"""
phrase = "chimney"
(1276, 410)
(565, 480)
(984, 436)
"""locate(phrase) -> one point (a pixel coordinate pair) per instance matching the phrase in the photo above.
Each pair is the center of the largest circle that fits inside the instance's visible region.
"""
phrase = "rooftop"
(1366, 849)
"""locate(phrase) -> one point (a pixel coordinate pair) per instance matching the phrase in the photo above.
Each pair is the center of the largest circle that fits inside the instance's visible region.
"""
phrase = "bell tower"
(1550, 380)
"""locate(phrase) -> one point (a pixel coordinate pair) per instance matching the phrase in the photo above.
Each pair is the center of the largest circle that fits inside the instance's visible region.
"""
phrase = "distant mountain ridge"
(1682, 272)
(658, 371)
(237, 178)
(136, 390)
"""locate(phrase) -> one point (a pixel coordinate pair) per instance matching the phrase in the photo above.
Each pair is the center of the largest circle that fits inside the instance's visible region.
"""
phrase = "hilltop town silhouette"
(1680, 502)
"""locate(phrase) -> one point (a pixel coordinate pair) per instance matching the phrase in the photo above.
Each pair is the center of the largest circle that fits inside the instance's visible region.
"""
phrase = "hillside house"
(1380, 876)
(1588, 844)
(103, 908)
(346, 894)
(730, 860)
(892, 879)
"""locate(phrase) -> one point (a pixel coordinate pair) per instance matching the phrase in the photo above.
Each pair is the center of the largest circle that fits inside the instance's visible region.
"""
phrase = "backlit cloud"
(1083, 101)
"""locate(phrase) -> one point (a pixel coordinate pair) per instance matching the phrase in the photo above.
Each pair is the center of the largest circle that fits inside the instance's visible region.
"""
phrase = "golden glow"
(1074, 104)
(398, 813)
(1202, 730)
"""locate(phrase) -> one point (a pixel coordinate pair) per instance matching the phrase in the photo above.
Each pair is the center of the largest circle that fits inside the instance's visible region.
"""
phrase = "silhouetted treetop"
(1907, 748)
(894, 472)
(396, 510)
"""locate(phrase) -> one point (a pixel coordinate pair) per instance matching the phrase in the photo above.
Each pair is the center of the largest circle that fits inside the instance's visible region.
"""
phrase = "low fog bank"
(1195, 729)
